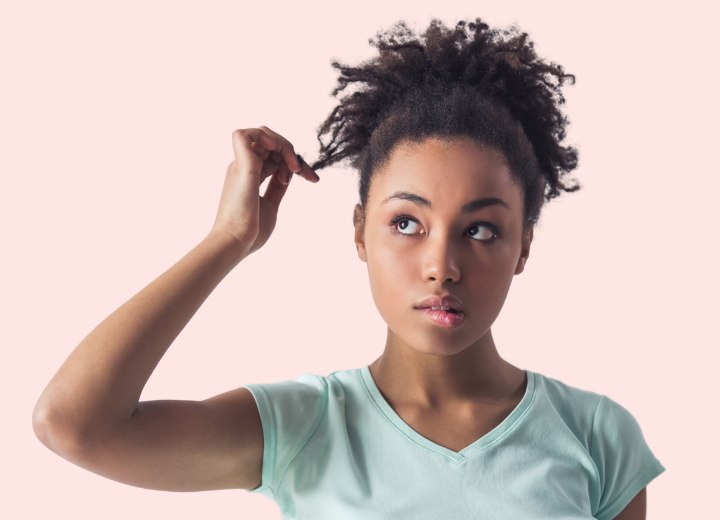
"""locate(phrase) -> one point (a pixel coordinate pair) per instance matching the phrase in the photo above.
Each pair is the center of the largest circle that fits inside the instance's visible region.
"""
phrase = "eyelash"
(494, 229)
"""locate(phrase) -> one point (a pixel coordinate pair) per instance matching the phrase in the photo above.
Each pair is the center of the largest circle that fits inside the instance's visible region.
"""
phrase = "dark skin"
(442, 250)
(90, 411)
(433, 376)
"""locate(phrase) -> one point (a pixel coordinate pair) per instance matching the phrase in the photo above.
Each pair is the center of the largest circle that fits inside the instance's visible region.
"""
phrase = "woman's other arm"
(636, 509)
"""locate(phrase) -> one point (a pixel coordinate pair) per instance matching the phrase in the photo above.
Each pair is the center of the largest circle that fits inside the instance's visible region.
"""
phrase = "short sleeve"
(290, 412)
(624, 461)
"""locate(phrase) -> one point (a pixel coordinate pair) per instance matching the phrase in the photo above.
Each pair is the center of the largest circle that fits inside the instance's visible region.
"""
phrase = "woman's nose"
(441, 261)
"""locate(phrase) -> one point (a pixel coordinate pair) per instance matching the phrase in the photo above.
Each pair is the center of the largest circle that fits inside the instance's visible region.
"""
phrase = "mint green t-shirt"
(335, 449)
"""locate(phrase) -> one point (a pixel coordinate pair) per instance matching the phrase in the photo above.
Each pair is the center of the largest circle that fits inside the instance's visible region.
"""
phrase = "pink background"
(115, 135)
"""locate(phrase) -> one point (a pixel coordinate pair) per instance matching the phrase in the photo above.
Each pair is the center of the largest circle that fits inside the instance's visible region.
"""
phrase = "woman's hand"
(243, 214)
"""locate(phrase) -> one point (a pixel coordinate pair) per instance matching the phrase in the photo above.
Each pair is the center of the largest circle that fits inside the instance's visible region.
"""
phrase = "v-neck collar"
(487, 440)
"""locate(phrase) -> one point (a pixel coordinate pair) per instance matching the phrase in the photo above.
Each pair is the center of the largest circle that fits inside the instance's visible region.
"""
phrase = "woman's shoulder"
(308, 385)
(566, 395)
(586, 411)
(573, 406)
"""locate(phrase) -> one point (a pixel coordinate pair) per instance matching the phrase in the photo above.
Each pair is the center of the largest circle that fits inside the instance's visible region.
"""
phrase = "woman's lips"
(442, 318)
(445, 301)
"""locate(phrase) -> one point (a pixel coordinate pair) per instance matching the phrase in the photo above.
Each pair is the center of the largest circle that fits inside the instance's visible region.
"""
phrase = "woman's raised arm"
(90, 413)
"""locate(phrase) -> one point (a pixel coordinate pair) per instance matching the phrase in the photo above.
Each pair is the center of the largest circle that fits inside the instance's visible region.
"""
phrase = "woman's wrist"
(234, 249)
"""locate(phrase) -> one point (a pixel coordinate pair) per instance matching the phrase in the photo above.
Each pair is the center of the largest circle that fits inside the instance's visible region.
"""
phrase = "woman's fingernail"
(283, 177)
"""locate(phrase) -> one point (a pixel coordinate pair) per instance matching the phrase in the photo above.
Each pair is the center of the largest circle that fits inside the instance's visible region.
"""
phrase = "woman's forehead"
(445, 172)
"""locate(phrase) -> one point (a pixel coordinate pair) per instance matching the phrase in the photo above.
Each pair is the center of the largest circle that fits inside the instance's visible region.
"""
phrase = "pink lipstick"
(445, 311)
(445, 319)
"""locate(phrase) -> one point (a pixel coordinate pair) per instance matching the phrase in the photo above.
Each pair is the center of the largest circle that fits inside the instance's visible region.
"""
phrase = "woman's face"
(416, 249)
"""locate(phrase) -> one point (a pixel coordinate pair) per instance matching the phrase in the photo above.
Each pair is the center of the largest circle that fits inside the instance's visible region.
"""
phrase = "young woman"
(456, 134)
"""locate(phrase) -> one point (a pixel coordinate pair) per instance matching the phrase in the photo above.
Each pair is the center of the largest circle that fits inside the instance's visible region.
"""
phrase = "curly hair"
(470, 81)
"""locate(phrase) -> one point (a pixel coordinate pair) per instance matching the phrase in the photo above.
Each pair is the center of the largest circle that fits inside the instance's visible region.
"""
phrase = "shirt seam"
(269, 448)
(601, 478)
(594, 422)
(312, 433)
(620, 504)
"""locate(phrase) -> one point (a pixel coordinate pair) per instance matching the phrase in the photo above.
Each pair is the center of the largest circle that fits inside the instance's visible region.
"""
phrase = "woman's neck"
(414, 378)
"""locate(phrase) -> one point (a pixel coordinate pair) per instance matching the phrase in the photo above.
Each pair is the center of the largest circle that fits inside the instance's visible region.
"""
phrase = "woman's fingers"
(260, 146)
(269, 167)
(275, 189)
(261, 150)
(307, 172)
(283, 147)
(243, 213)
(247, 162)
(242, 140)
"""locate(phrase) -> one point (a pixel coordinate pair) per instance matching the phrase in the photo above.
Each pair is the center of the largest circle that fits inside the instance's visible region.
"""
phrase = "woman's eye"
(484, 232)
(403, 224)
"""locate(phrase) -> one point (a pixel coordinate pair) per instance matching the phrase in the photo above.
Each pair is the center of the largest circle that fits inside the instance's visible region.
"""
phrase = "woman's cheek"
(389, 270)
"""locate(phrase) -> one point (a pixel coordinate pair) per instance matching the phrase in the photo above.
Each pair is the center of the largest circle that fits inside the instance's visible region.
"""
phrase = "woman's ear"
(359, 223)
(524, 250)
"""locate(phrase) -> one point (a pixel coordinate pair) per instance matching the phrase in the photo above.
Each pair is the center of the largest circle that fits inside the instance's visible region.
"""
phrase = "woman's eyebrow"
(467, 208)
